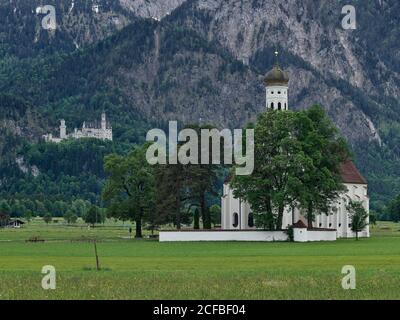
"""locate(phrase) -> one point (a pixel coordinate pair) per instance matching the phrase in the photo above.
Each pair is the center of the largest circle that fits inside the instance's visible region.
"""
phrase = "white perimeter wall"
(313, 235)
(300, 235)
(223, 236)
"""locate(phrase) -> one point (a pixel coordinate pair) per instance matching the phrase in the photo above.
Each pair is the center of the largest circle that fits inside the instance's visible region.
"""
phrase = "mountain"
(79, 22)
(201, 60)
(154, 9)
(333, 66)
(19, 122)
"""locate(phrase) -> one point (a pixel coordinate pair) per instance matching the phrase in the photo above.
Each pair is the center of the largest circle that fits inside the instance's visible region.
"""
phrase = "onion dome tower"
(276, 83)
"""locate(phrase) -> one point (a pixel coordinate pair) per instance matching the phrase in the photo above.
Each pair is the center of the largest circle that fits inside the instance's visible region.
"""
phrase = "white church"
(98, 130)
(237, 214)
(237, 220)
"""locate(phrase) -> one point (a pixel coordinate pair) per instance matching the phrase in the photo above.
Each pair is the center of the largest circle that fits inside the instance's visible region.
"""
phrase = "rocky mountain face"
(328, 58)
(149, 61)
(154, 9)
(78, 22)
(19, 122)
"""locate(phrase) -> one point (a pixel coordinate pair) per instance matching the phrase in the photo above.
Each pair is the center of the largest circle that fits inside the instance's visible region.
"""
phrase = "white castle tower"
(276, 83)
(63, 130)
(103, 121)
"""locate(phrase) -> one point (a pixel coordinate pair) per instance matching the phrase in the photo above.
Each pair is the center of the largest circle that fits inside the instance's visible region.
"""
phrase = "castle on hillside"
(98, 130)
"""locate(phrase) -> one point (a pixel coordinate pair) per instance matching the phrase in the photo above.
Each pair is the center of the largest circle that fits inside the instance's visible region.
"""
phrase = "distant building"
(98, 130)
(7, 222)
(96, 8)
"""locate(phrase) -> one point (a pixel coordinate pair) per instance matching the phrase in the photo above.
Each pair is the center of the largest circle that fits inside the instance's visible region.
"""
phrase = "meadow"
(147, 269)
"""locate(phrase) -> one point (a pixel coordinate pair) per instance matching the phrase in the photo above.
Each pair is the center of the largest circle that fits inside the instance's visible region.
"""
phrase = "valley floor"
(147, 269)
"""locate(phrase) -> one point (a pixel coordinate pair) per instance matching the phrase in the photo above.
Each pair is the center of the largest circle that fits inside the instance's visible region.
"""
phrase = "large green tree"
(79, 207)
(129, 190)
(321, 142)
(203, 177)
(93, 216)
(71, 217)
(172, 193)
(297, 159)
(47, 217)
(181, 187)
(279, 164)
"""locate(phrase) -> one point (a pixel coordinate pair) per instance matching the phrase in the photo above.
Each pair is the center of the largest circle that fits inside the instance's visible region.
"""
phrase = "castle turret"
(63, 130)
(103, 121)
(276, 85)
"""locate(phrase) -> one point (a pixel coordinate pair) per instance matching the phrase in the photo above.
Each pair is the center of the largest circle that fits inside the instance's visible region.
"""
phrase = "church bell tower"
(276, 83)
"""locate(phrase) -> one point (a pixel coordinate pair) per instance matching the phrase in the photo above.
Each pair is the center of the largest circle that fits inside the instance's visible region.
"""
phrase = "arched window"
(250, 220)
(285, 106)
(279, 106)
(235, 220)
(272, 105)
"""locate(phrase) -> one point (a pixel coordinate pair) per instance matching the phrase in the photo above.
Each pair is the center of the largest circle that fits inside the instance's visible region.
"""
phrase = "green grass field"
(147, 269)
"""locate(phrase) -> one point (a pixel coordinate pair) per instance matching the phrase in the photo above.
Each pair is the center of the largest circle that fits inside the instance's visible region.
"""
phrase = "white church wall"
(230, 206)
(172, 236)
(321, 235)
(304, 235)
(355, 192)
(300, 235)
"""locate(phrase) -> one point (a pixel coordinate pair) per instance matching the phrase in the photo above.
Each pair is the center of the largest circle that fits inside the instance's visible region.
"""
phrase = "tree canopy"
(297, 158)
(130, 187)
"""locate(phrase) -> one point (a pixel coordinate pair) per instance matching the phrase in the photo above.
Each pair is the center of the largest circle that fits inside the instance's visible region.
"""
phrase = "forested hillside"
(201, 62)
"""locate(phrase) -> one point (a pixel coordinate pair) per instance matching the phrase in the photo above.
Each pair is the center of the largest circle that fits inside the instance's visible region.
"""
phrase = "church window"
(250, 220)
(272, 105)
(279, 106)
(320, 225)
(279, 92)
(285, 107)
(272, 92)
(330, 225)
(235, 220)
(340, 225)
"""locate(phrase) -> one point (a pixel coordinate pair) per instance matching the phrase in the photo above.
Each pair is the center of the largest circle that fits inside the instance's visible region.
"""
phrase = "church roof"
(276, 76)
(300, 225)
(350, 174)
